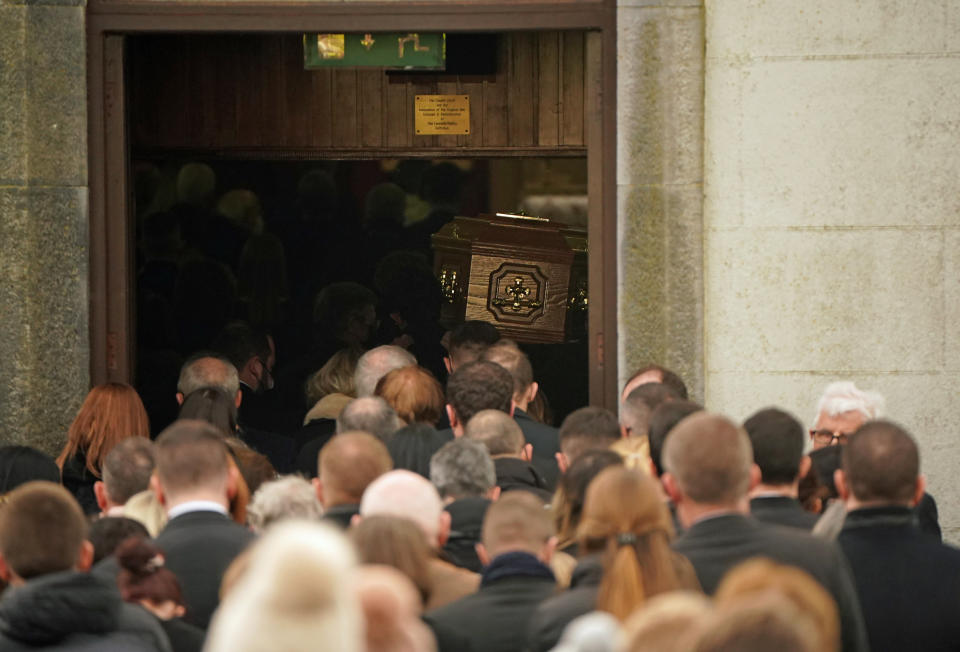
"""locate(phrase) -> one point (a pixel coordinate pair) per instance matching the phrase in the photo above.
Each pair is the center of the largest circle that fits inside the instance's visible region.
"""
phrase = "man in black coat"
(345, 468)
(777, 441)
(195, 483)
(517, 545)
(907, 580)
(709, 471)
(511, 453)
(544, 439)
(52, 602)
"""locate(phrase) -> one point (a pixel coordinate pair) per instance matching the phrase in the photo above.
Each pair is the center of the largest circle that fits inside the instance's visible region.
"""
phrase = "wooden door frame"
(111, 251)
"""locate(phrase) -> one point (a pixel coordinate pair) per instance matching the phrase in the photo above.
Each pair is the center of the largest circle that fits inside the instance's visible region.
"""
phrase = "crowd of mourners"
(408, 515)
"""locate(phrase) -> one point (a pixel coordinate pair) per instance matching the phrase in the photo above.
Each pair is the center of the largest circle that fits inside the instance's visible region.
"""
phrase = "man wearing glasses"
(842, 409)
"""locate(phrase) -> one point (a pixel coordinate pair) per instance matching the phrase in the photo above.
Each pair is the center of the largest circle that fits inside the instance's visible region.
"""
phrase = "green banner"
(403, 51)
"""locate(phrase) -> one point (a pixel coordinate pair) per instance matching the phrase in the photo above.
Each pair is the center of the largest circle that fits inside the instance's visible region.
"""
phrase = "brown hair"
(881, 463)
(588, 428)
(567, 504)
(349, 462)
(142, 575)
(413, 393)
(253, 466)
(518, 521)
(111, 412)
(710, 457)
(190, 454)
(625, 518)
(397, 542)
(761, 577)
(41, 529)
(508, 355)
(214, 406)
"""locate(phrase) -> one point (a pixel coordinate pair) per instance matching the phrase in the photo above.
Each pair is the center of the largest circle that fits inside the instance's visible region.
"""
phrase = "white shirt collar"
(196, 506)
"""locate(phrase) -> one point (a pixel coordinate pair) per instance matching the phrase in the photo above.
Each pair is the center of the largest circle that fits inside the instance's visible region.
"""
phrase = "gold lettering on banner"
(416, 44)
(367, 41)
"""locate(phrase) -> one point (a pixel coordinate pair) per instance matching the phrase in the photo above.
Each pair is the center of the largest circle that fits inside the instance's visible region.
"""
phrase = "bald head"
(207, 371)
(377, 363)
(710, 459)
(407, 495)
(347, 465)
(496, 430)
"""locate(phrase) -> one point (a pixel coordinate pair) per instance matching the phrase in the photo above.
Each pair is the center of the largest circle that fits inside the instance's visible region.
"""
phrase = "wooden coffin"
(512, 271)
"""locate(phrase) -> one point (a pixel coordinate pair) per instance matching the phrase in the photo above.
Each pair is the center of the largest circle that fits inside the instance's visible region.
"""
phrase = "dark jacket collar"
(895, 516)
(513, 471)
(520, 415)
(467, 514)
(588, 572)
(515, 564)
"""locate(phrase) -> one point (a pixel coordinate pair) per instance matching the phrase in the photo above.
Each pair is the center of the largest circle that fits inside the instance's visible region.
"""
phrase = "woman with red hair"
(111, 412)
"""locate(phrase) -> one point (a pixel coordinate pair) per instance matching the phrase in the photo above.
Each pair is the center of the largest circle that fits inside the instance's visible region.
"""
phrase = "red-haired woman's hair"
(625, 519)
(414, 393)
(142, 574)
(111, 412)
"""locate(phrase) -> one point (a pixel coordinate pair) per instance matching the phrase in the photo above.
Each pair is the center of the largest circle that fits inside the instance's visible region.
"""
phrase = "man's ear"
(239, 398)
(755, 476)
(526, 453)
(921, 489)
(452, 416)
(355, 520)
(653, 469)
(318, 488)
(840, 481)
(180, 398)
(85, 558)
(562, 462)
(513, 407)
(482, 553)
(547, 550)
(448, 364)
(157, 487)
(6, 573)
(624, 431)
(531, 392)
(805, 464)
(672, 488)
(233, 476)
(494, 494)
(100, 491)
(443, 533)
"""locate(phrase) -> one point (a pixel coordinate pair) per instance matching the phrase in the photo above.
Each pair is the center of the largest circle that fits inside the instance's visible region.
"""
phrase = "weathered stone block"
(56, 96)
(951, 296)
(13, 83)
(822, 300)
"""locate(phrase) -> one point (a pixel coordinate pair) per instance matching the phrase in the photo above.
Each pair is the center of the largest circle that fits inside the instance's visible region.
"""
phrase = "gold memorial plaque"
(442, 115)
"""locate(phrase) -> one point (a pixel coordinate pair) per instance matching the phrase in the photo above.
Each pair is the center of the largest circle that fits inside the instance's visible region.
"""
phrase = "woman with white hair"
(296, 595)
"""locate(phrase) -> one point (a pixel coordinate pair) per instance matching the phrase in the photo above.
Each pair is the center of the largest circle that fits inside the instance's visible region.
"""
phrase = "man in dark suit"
(586, 429)
(345, 468)
(907, 580)
(709, 471)
(517, 544)
(473, 387)
(777, 442)
(511, 453)
(544, 439)
(195, 483)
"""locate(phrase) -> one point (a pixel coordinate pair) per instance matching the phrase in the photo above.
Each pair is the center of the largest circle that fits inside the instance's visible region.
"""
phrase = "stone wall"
(832, 212)
(44, 369)
(660, 59)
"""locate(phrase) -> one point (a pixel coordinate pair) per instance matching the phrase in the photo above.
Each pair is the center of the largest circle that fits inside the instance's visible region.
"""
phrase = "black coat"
(715, 545)
(198, 547)
(310, 439)
(412, 447)
(495, 618)
(79, 481)
(466, 523)
(553, 615)
(513, 473)
(782, 510)
(75, 612)
(908, 582)
(546, 444)
(341, 515)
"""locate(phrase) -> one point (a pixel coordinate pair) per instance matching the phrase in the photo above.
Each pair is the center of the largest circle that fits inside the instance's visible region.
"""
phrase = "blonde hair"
(334, 377)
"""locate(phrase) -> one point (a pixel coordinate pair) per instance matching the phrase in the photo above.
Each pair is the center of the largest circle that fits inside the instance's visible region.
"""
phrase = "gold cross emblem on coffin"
(517, 297)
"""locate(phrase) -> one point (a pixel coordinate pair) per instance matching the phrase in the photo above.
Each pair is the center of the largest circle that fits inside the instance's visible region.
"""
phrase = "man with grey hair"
(842, 409)
(409, 495)
(126, 471)
(289, 497)
(370, 414)
(377, 363)
(511, 453)
(709, 471)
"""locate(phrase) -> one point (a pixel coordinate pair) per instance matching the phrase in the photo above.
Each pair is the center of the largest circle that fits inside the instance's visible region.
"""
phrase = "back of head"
(238, 342)
(338, 305)
(586, 429)
(407, 495)
(142, 573)
(295, 592)
(567, 505)
(666, 622)
(824, 461)
(758, 625)
(208, 370)
(506, 354)
(108, 532)
(196, 184)
(385, 203)
(289, 497)
(253, 466)
(414, 393)
(710, 458)
(191, 455)
(659, 374)
(336, 376)
(777, 440)
(21, 464)
(516, 522)
(127, 469)
(348, 463)
(377, 363)
(110, 413)
(479, 386)
(625, 518)
(391, 607)
(370, 414)
(762, 577)
(242, 208)
(881, 464)
(213, 406)
(845, 396)
(468, 341)
(662, 421)
(397, 542)
(462, 468)
(496, 430)
(42, 530)
(640, 403)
